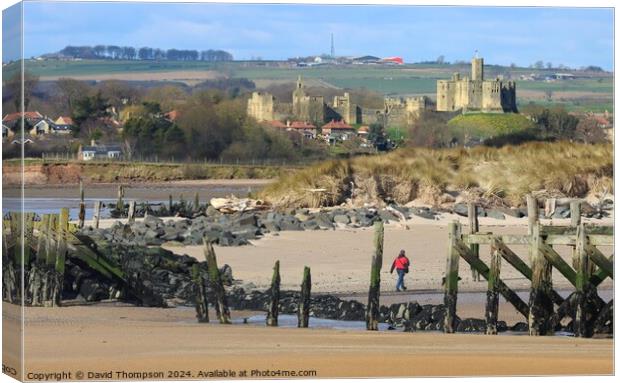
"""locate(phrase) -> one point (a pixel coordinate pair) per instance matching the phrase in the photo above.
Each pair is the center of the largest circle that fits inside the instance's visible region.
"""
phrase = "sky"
(502, 35)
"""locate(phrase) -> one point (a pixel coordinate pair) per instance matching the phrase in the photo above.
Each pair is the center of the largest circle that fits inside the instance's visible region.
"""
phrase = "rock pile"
(239, 228)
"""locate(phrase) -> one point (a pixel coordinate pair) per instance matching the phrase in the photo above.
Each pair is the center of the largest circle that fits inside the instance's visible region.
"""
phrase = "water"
(288, 321)
(53, 205)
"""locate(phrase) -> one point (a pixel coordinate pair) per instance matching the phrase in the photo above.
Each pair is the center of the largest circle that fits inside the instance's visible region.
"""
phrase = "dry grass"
(505, 174)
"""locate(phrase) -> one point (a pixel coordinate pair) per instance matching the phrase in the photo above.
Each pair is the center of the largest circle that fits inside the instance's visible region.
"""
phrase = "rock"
(460, 209)
(561, 212)
(226, 275)
(152, 222)
(424, 213)
(520, 327)
(604, 323)
(517, 213)
(342, 219)
(493, 213)
(471, 325)
(92, 290)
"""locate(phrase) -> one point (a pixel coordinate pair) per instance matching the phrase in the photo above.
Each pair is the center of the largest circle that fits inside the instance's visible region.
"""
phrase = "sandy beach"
(106, 338)
(130, 339)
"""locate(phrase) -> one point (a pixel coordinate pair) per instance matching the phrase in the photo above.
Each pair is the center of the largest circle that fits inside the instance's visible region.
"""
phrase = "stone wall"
(261, 106)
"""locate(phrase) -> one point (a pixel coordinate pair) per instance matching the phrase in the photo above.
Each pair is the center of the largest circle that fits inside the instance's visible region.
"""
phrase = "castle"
(263, 106)
(476, 94)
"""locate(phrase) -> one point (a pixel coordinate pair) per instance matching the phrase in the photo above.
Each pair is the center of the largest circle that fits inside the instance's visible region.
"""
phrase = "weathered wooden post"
(202, 304)
(43, 233)
(303, 310)
(97, 214)
(451, 278)
(50, 241)
(540, 303)
(28, 237)
(120, 206)
(196, 202)
(82, 212)
(372, 309)
(575, 213)
(221, 305)
(170, 206)
(272, 312)
(61, 250)
(472, 215)
(131, 213)
(582, 285)
(492, 306)
(532, 213)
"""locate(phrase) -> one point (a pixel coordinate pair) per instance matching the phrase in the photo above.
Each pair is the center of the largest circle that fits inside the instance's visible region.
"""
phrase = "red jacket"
(400, 263)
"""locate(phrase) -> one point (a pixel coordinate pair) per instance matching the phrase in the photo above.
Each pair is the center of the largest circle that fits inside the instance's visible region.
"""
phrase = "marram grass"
(510, 172)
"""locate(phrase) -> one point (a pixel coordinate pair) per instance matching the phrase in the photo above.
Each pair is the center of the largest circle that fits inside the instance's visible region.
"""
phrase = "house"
(43, 126)
(276, 124)
(363, 131)
(100, 152)
(305, 128)
(63, 125)
(30, 117)
(337, 130)
(7, 132)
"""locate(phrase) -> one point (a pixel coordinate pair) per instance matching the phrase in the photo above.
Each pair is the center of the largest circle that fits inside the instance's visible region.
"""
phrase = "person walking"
(401, 264)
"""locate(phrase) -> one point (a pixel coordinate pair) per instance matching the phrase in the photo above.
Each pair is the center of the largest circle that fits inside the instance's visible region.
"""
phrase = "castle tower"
(477, 69)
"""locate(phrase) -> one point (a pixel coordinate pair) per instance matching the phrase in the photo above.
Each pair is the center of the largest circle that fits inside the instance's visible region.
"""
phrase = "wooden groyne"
(589, 268)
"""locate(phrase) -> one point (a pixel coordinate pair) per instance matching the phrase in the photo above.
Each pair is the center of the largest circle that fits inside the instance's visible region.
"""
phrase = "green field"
(594, 93)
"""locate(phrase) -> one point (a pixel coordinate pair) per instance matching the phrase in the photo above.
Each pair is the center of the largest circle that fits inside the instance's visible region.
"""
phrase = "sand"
(104, 339)
(340, 259)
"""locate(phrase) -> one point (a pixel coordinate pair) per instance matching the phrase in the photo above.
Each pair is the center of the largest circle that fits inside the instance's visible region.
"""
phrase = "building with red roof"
(337, 126)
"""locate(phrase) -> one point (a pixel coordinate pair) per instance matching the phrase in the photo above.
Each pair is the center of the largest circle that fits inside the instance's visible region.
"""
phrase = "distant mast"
(333, 50)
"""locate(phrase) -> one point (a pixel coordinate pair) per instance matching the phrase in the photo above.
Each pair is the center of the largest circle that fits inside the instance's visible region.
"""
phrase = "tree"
(13, 88)
(70, 90)
(440, 60)
(539, 64)
(430, 130)
(377, 136)
(589, 131)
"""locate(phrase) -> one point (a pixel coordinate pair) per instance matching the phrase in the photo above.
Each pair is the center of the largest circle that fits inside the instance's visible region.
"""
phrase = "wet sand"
(135, 339)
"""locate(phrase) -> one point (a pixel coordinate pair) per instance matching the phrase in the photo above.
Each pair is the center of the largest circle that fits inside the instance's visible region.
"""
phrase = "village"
(341, 124)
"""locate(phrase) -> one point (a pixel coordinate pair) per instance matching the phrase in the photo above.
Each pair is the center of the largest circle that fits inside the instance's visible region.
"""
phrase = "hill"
(487, 125)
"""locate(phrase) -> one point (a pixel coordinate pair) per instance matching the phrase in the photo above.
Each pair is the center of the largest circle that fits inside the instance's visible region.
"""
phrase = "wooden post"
(28, 237)
(120, 206)
(170, 206)
(131, 213)
(272, 312)
(492, 306)
(532, 213)
(50, 241)
(303, 311)
(582, 286)
(575, 213)
(97, 214)
(61, 251)
(82, 212)
(221, 305)
(43, 232)
(451, 278)
(472, 215)
(372, 309)
(196, 202)
(540, 303)
(202, 304)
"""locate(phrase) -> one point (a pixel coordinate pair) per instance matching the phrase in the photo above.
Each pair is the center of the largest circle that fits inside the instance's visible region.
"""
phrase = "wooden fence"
(589, 268)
